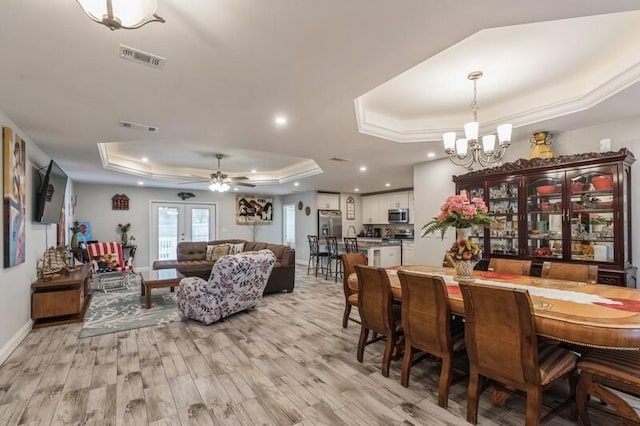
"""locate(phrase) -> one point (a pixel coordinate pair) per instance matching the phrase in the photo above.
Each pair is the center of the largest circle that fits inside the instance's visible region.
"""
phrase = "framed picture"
(251, 209)
(351, 208)
(15, 204)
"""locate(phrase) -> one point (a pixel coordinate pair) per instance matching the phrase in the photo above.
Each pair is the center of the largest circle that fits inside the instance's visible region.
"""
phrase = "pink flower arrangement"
(458, 211)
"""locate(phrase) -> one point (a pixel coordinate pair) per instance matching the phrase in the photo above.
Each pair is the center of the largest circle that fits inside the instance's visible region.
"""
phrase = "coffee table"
(156, 279)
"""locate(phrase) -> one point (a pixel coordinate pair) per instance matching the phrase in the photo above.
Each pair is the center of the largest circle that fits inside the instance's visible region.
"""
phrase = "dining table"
(586, 314)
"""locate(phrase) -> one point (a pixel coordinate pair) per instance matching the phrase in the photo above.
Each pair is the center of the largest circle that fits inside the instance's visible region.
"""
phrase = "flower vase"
(464, 268)
(74, 242)
(125, 238)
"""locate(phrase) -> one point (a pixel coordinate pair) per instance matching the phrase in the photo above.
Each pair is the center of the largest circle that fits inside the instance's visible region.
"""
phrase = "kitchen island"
(380, 253)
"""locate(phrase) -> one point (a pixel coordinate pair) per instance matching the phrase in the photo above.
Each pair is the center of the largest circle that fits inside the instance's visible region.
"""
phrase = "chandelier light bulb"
(504, 134)
(449, 139)
(471, 131)
(461, 147)
(488, 143)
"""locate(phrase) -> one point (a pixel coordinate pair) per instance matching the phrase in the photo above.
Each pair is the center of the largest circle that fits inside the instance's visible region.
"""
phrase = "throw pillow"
(216, 251)
(236, 248)
(107, 263)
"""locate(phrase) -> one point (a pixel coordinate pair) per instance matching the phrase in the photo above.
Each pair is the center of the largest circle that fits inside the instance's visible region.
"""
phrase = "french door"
(174, 222)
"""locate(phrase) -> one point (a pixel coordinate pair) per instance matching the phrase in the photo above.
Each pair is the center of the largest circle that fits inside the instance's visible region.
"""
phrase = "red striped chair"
(109, 266)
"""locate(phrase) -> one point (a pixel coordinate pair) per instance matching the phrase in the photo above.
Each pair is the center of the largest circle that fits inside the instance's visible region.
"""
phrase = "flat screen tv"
(50, 197)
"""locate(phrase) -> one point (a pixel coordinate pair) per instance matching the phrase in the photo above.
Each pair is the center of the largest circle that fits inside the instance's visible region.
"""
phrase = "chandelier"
(467, 151)
(219, 185)
(117, 14)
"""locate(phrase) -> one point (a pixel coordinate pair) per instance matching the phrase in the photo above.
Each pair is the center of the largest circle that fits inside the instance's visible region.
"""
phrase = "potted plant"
(123, 231)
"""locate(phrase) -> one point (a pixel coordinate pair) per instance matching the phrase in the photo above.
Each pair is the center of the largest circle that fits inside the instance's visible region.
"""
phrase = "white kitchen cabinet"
(384, 256)
(397, 200)
(328, 201)
(383, 209)
(370, 213)
(408, 253)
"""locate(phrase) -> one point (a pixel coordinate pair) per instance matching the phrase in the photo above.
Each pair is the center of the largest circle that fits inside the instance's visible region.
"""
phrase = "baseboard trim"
(13, 343)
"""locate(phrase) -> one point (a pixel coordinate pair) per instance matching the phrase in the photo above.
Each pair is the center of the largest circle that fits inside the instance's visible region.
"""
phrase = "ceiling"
(232, 66)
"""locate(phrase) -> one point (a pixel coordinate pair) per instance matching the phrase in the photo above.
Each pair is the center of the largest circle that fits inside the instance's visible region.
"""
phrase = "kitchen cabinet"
(408, 253)
(384, 256)
(574, 209)
(397, 200)
(370, 212)
(328, 201)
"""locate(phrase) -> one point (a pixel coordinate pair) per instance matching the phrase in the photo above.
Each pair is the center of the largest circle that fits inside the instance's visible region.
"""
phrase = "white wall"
(94, 206)
(432, 180)
(305, 225)
(15, 282)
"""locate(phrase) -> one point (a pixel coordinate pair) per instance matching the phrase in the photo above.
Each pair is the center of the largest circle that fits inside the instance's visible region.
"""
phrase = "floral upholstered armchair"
(236, 283)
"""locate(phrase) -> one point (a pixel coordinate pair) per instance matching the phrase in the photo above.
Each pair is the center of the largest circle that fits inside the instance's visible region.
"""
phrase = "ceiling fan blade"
(194, 181)
(249, 185)
(239, 178)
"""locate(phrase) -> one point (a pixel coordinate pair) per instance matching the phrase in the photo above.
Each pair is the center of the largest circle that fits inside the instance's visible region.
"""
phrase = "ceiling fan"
(221, 182)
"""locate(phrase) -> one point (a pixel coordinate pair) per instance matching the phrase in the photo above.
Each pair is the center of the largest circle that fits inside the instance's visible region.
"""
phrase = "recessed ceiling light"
(253, 170)
(296, 184)
(387, 184)
(363, 168)
(235, 189)
(431, 154)
(357, 189)
(280, 120)
(140, 182)
(145, 159)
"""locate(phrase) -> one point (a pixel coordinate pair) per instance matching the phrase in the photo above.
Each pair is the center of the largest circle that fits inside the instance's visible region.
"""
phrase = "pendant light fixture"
(467, 151)
(117, 14)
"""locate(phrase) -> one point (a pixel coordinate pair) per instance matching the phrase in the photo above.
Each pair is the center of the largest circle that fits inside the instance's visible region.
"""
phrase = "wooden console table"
(62, 300)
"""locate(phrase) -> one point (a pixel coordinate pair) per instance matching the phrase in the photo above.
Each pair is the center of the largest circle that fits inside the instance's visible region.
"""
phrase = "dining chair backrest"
(500, 333)
(332, 246)
(426, 316)
(349, 261)
(351, 244)
(375, 299)
(570, 272)
(314, 247)
(510, 266)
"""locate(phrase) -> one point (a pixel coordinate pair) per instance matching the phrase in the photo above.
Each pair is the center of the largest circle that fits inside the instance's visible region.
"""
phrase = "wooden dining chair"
(570, 272)
(378, 313)
(502, 345)
(510, 266)
(427, 326)
(350, 260)
(602, 370)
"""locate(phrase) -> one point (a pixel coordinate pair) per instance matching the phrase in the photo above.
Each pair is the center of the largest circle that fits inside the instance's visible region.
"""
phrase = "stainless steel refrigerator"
(330, 224)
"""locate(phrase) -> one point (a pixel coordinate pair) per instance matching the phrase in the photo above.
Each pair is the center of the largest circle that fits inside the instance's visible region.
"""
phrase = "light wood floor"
(288, 362)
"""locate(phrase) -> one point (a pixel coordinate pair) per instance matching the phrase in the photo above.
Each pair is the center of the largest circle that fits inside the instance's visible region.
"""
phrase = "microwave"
(398, 216)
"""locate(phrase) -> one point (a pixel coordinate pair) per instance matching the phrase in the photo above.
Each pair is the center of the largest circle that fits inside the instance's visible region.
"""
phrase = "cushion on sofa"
(216, 251)
(191, 251)
(236, 248)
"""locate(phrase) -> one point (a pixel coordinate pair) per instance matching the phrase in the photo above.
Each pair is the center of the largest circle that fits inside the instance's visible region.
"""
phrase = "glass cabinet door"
(475, 234)
(545, 212)
(591, 212)
(503, 205)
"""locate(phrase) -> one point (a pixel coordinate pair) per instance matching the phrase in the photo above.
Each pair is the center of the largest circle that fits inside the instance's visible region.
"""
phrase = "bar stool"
(333, 258)
(315, 255)
(351, 245)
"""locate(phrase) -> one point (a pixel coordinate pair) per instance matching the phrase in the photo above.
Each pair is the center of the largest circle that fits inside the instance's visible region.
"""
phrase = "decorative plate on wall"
(307, 211)
(300, 205)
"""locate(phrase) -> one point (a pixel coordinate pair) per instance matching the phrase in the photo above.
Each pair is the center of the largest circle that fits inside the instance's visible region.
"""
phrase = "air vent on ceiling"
(138, 126)
(135, 55)
(340, 159)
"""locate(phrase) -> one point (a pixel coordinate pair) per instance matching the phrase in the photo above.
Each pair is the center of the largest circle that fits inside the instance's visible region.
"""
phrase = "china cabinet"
(573, 208)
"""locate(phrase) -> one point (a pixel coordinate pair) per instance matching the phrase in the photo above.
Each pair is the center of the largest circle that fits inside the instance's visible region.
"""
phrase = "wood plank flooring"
(288, 362)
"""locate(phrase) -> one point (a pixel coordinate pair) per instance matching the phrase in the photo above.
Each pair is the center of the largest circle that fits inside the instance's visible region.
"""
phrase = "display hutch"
(574, 208)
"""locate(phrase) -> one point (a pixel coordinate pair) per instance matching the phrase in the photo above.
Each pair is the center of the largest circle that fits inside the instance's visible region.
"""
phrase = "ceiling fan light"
(116, 14)
(449, 140)
(471, 131)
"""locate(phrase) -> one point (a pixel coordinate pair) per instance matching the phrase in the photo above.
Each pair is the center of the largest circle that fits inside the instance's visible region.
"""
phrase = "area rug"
(124, 309)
